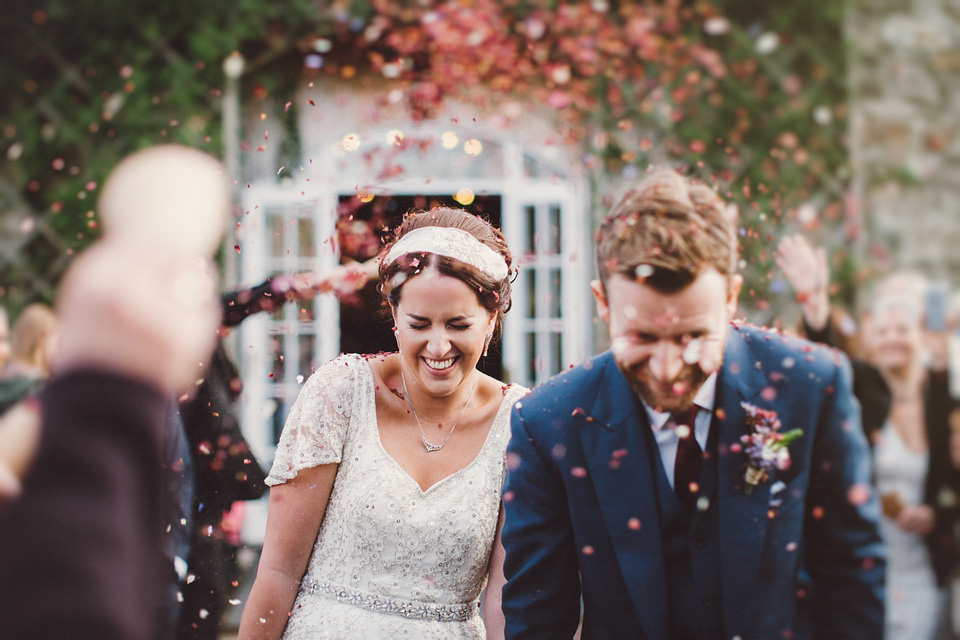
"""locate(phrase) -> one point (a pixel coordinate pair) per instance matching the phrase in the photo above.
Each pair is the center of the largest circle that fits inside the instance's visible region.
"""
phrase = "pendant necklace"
(429, 446)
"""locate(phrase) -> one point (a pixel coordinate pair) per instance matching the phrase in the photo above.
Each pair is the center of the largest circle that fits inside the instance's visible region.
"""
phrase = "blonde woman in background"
(31, 348)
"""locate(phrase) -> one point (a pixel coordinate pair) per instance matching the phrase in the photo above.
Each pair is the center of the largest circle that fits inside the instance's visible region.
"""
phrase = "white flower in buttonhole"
(765, 446)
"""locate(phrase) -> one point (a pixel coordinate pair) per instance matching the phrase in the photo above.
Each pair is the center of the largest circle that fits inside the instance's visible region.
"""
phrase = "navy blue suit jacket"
(800, 554)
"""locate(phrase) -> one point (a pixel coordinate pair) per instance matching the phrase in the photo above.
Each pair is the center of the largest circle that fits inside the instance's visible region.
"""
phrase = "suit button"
(707, 601)
(700, 542)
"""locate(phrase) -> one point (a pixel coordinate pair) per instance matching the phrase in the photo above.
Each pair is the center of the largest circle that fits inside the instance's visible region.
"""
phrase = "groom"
(701, 480)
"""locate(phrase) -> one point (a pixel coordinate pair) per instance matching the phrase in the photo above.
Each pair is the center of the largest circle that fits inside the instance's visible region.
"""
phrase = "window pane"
(278, 417)
(274, 223)
(530, 216)
(556, 293)
(532, 358)
(276, 353)
(305, 313)
(531, 277)
(305, 239)
(307, 347)
(553, 216)
(557, 348)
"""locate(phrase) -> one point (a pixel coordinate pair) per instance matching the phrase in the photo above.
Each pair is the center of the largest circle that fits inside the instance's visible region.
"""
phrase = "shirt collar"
(704, 398)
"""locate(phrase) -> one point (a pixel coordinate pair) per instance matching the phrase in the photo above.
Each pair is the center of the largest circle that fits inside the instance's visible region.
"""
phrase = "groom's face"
(667, 344)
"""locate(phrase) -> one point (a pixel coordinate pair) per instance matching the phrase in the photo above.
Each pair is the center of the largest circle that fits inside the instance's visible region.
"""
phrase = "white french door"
(283, 231)
(548, 328)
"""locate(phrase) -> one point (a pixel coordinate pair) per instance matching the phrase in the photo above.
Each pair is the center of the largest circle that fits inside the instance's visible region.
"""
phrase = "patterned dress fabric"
(390, 560)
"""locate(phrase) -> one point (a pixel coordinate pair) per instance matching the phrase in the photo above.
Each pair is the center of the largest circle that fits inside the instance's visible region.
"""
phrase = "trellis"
(36, 247)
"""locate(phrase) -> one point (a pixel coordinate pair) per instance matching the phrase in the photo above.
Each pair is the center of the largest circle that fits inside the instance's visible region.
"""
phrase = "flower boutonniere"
(766, 447)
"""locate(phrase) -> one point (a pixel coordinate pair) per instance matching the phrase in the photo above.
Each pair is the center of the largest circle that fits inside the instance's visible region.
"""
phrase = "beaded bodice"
(385, 544)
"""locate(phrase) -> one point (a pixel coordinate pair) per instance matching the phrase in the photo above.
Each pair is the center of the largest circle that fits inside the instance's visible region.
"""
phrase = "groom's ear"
(733, 293)
(603, 308)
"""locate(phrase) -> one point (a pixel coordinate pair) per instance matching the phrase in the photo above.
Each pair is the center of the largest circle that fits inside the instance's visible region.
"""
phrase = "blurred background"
(833, 119)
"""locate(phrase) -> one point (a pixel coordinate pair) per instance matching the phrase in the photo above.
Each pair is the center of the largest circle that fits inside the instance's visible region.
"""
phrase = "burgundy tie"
(686, 473)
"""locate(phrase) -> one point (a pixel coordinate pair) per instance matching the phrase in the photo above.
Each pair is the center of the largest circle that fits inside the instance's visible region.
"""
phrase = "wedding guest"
(32, 343)
(87, 548)
(80, 554)
(906, 407)
(386, 487)
(701, 479)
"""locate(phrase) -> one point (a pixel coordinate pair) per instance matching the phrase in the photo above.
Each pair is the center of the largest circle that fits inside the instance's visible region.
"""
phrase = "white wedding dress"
(915, 605)
(391, 560)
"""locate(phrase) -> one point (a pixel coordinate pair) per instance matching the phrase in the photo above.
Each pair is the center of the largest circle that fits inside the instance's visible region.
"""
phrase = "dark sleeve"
(844, 553)
(238, 305)
(823, 336)
(224, 467)
(942, 488)
(542, 596)
(869, 386)
(80, 547)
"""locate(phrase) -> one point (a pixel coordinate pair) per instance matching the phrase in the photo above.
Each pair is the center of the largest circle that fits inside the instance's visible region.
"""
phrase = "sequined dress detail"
(390, 560)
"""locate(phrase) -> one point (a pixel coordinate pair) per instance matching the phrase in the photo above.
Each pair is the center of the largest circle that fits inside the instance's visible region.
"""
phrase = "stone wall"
(904, 81)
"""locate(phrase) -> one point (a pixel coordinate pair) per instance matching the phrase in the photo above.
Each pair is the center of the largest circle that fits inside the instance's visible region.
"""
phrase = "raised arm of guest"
(277, 290)
(805, 267)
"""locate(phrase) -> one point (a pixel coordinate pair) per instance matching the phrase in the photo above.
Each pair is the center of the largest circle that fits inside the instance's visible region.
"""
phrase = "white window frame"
(574, 264)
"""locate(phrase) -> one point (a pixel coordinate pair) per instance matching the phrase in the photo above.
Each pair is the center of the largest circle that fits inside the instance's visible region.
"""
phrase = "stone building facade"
(904, 83)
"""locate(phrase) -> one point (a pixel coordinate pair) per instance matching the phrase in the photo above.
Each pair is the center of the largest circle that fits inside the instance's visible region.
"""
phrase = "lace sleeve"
(317, 425)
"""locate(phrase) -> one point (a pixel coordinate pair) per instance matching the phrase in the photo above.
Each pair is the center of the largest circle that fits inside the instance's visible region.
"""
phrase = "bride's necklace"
(429, 446)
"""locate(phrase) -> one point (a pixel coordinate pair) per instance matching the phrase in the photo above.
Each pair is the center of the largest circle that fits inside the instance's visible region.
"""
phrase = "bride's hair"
(493, 294)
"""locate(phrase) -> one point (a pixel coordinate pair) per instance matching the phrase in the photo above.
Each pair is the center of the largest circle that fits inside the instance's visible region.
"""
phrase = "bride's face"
(441, 332)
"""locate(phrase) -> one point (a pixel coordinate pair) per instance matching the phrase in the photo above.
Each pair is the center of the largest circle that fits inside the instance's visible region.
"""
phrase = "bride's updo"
(455, 243)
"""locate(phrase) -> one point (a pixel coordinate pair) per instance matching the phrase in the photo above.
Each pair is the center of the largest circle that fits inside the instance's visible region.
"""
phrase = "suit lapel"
(742, 517)
(617, 454)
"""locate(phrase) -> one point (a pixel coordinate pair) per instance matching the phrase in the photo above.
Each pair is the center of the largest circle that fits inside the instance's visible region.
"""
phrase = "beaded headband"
(452, 243)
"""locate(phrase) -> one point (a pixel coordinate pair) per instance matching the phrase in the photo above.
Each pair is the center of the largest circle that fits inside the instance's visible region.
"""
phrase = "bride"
(385, 511)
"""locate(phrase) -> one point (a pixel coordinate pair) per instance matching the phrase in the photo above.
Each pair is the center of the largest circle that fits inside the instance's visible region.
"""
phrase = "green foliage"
(727, 89)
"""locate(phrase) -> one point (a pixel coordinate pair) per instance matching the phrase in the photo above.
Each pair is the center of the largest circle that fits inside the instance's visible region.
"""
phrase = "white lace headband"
(453, 243)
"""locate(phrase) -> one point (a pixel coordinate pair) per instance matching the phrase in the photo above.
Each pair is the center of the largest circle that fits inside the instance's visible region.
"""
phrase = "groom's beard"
(663, 396)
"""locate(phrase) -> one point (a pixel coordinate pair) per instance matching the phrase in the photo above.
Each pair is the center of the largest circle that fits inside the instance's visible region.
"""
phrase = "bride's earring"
(396, 336)
(486, 344)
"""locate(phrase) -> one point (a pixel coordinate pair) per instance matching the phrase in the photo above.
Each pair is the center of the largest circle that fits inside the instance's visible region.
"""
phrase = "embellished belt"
(394, 606)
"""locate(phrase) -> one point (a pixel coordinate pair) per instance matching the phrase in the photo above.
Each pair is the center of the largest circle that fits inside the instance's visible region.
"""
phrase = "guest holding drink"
(905, 406)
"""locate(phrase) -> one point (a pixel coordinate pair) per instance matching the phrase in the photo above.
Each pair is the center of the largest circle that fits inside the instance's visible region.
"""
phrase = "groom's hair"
(665, 232)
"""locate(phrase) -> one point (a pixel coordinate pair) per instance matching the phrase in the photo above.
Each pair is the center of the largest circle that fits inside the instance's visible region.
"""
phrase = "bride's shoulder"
(513, 390)
(500, 393)
(342, 371)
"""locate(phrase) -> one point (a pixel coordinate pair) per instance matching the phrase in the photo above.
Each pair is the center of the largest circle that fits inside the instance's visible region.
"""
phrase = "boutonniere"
(766, 447)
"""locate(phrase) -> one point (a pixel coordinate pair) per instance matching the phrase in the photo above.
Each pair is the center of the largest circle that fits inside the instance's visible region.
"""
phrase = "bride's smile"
(441, 333)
